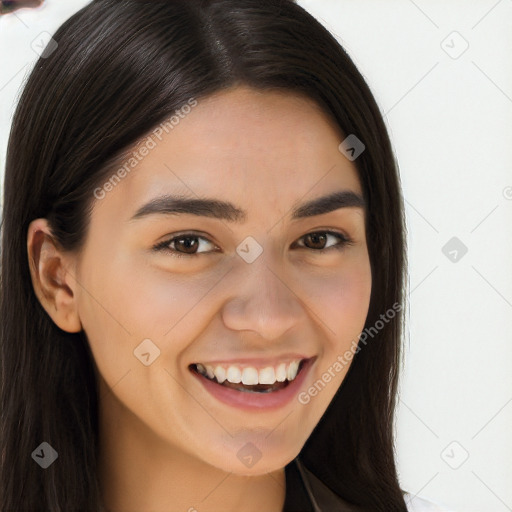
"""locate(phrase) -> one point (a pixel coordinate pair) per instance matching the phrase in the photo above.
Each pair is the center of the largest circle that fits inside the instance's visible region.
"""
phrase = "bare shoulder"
(416, 504)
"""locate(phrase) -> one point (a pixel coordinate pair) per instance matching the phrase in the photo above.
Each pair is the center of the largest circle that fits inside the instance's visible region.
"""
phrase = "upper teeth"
(250, 375)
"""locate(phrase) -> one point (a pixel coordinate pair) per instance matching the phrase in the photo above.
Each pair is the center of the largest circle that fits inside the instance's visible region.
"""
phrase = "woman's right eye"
(186, 242)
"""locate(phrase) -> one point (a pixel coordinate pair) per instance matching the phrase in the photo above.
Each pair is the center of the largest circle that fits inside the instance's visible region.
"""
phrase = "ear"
(53, 284)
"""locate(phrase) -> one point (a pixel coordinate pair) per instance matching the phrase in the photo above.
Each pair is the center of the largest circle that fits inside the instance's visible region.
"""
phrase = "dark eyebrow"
(217, 209)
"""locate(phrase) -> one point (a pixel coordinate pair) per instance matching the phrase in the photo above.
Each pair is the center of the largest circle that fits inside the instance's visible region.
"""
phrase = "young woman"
(203, 268)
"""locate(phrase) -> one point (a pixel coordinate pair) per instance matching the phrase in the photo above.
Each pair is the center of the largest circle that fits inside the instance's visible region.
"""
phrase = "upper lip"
(255, 362)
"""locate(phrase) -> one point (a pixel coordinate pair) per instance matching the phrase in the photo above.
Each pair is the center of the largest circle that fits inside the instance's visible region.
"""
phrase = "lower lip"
(256, 401)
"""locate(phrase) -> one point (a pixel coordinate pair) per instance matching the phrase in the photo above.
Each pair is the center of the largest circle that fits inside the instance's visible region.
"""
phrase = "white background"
(449, 114)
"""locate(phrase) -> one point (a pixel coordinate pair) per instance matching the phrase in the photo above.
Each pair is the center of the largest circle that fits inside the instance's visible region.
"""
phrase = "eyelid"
(164, 245)
(345, 240)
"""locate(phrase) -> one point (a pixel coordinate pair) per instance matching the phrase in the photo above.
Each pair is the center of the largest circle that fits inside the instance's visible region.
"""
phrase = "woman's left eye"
(320, 237)
(186, 244)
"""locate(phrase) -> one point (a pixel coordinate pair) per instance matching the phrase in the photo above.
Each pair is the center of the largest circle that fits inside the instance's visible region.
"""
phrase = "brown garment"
(7, 6)
(306, 493)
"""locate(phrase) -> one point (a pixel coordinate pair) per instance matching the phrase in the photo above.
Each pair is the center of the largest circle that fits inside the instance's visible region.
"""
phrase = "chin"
(252, 459)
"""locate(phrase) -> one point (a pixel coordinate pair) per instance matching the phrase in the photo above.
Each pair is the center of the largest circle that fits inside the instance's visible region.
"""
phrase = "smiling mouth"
(277, 385)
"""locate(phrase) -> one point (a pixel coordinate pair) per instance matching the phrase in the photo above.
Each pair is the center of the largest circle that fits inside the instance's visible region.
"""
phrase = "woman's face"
(246, 294)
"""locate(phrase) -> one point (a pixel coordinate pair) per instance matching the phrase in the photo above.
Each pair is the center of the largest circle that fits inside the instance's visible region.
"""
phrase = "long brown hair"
(120, 68)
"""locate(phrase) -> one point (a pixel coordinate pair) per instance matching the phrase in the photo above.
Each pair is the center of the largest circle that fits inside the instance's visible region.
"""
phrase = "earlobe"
(53, 284)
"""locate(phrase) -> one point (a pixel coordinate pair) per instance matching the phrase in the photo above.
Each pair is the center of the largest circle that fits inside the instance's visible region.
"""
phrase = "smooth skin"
(166, 443)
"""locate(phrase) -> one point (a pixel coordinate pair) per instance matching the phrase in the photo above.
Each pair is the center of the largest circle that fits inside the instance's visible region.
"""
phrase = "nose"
(262, 302)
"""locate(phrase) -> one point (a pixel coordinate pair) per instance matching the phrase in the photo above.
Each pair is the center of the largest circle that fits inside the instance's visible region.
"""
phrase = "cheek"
(128, 302)
(164, 306)
(340, 299)
(144, 300)
(133, 302)
(168, 303)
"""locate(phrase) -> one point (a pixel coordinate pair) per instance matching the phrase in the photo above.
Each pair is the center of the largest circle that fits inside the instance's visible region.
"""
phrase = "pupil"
(315, 237)
(189, 247)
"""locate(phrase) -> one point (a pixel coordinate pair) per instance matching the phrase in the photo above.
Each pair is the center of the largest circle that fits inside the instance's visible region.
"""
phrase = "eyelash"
(164, 246)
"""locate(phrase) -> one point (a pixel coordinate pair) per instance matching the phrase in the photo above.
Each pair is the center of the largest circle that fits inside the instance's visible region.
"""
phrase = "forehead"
(264, 148)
